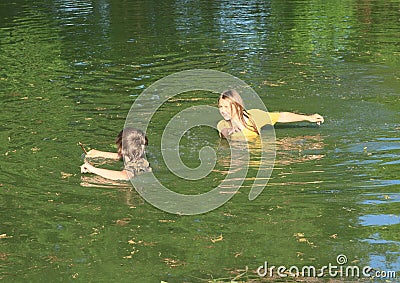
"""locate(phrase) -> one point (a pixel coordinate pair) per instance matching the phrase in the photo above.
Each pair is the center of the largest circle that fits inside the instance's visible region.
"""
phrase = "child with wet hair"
(131, 145)
(239, 122)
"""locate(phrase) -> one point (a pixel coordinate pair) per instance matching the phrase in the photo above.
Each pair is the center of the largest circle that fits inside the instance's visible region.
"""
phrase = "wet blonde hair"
(237, 105)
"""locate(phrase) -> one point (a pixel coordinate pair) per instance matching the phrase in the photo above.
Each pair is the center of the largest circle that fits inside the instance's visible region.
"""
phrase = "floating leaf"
(301, 239)
(173, 262)
(299, 235)
(4, 236)
(219, 238)
(65, 175)
(123, 221)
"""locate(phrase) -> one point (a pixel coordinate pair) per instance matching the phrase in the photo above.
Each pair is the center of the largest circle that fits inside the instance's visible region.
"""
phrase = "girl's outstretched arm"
(105, 173)
(104, 154)
(288, 117)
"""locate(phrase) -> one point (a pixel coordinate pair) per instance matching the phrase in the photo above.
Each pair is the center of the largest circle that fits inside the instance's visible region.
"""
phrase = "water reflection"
(82, 20)
(71, 70)
(100, 182)
(379, 219)
(381, 198)
(377, 239)
(299, 149)
(289, 151)
(127, 193)
(386, 261)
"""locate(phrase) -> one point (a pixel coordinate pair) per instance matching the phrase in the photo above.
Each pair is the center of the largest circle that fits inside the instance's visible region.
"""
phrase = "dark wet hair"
(131, 143)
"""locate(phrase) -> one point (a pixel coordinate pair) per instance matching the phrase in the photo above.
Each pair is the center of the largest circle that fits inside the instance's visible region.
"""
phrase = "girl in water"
(132, 152)
(239, 122)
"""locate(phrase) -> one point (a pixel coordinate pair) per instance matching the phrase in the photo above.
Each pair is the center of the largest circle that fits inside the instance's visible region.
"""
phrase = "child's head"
(133, 141)
(230, 104)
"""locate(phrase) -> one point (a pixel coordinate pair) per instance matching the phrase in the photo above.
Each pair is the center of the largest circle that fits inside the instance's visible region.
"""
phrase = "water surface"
(70, 72)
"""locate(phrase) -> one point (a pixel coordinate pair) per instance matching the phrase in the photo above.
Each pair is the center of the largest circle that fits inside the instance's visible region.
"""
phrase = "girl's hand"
(226, 132)
(86, 168)
(316, 118)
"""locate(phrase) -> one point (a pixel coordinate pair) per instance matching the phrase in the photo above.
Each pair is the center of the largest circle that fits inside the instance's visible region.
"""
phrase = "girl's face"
(225, 108)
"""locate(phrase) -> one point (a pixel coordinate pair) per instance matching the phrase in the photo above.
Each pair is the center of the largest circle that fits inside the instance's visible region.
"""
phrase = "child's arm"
(288, 117)
(104, 154)
(105, 173)
(226, 132)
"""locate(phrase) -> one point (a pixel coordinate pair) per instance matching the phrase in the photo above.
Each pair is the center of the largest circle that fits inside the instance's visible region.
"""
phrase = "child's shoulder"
(223, 124)
(138, 166)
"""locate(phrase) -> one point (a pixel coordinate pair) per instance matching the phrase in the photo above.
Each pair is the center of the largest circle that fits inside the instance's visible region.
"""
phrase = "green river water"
(70, 71)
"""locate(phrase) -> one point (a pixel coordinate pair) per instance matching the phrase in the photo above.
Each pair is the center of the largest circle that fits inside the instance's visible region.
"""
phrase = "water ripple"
(379, 219)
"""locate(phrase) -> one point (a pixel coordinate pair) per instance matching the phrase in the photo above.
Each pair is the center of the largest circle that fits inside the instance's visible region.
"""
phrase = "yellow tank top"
(260, 117)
